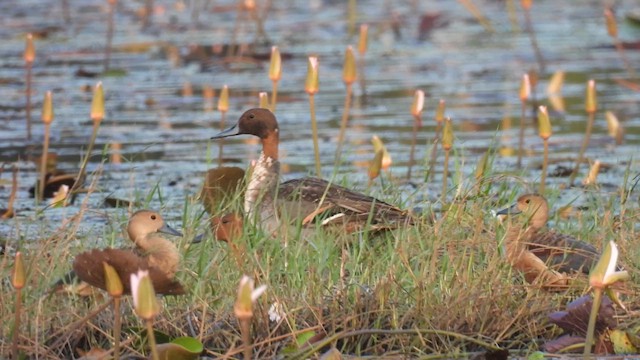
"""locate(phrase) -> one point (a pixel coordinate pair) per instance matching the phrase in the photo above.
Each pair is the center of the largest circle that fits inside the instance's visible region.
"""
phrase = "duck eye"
(251, 116)
(527, 201)
(153, 217)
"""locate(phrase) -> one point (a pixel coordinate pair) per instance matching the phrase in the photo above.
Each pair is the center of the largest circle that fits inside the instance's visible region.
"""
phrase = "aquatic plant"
(47, 118)
(591, 106)
(29, 56)
(544, 131)
(275, 74)
(349, 75)
(311, 87)
(416, 110)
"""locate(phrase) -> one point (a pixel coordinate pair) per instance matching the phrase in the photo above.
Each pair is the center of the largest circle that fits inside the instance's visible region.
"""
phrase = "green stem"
(591, 329)
(434, 151)
(83, 168)
(43, 163)
(521, 136)
(414, 137)
(274, 96)
(343, 124)
(117, 324)
(314, 131)
(223, 118)
(16, 326)
(545, 163)
(28, 66)
(583, 148)
(445, 173)
(152, 340)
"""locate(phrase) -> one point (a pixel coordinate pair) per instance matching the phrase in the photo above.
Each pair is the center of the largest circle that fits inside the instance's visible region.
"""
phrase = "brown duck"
(153, 253)
(269, 203)
(559, 252)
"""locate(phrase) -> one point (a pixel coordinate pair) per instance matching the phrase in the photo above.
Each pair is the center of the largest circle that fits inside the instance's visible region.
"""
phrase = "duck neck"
(264, 180)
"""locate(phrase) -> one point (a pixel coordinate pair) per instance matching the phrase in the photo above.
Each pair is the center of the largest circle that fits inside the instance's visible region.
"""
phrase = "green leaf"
(182, 348)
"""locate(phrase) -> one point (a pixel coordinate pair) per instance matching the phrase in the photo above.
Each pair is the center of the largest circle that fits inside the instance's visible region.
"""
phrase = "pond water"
(164, 135)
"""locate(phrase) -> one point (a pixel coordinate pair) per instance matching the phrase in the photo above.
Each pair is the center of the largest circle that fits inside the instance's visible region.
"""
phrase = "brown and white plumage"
(560, 252)
(153, 253)
(270, 203)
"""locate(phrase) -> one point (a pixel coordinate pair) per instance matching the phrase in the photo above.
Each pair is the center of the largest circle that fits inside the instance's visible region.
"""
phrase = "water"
(164, 135)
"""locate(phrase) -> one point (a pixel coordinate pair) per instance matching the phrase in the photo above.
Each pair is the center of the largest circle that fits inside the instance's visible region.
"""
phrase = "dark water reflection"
(164, 136)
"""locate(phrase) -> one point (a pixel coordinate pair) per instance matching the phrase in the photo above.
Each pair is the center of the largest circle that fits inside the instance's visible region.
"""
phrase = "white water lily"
(247, 295)
(144, 297)
(604, 273)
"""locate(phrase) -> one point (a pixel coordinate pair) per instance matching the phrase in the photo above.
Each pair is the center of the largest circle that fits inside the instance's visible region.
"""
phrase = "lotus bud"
(378, 145)
(604, 273)
(594, 170)
(556, 82)
(440, 111)
(47, 108)
(29, 50)
(526, 4)
(311, 84)
(264, 100)
(113, 284)
(223, 101)
(612, 25)
(349, 71)
(187, 89)
(362, 43)
(144, 297)
(525, 88)
(275, 66)
(544, 125)
(614, 127)
(447, 135)
(97, 104)
(376, 165)
(591, 102)
(418, 103)
(247, 295)
(18, 277)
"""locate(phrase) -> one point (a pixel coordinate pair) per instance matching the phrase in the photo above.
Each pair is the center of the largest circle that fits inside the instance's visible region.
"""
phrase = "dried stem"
(28, 76)
(16, 326)
(314, 131)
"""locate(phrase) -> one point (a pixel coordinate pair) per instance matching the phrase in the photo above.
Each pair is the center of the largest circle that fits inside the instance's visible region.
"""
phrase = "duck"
(560, 252)
(268, 203)
(153, 253)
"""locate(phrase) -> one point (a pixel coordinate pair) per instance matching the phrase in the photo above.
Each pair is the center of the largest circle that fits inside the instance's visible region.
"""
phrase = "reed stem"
(445, 174)
(83, 168)
(107, 50)
(314, 132)
(117, 325)
(343, 124)
(595, 308)
(416, 123)
(434, 151)
(245, 328)
(16, 326)
(28, 68)
(274, 96)
(223, 120)
(545, 164)
(43, 163)
(521, 136)
(152, 340)
(583, 148)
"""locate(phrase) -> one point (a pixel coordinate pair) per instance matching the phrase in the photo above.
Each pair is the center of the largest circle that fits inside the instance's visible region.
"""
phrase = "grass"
(440, 288)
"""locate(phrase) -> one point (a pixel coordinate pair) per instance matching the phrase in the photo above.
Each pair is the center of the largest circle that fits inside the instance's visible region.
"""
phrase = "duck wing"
(563, 252)
(313, 194)
(88, 266)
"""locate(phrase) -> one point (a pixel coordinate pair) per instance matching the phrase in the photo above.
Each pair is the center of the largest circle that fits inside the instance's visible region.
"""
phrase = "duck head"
(534, 206)
(147, 222)
(257, 122)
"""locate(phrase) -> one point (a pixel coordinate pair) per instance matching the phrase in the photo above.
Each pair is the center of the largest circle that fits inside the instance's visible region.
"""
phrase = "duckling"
(560, 252)
(269, 203)
(154, 253)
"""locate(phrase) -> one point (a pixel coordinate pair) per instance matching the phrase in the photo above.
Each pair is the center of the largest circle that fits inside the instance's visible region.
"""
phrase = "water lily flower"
(604, 273)
(144, 297)
(247, 295)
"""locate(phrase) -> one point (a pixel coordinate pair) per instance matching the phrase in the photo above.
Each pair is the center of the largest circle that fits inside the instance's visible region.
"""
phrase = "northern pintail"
(269, 203)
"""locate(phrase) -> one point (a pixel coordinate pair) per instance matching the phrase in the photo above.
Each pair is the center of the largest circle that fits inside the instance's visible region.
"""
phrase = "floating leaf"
(182, 348)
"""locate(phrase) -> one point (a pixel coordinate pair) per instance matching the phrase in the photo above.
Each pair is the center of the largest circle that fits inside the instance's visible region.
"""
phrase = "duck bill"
(166, 229)
(511, 210)
(232, 131)
(200, 238)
